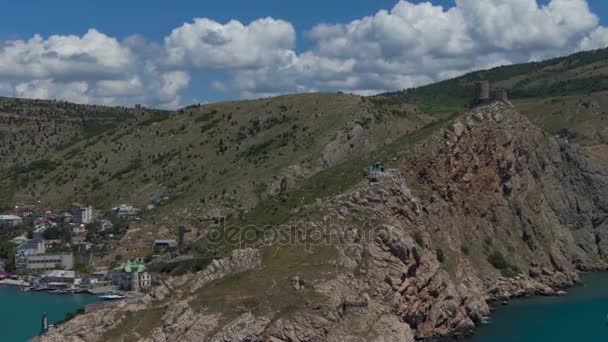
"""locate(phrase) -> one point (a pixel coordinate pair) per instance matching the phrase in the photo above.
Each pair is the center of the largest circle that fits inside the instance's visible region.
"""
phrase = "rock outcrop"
(489, 208)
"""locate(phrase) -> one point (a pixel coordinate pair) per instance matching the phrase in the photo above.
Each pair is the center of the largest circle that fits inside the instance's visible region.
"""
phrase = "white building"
(131, 276)
(50, 261)
(60, 279)
(81, 214)
(10, 220)
(126, 211)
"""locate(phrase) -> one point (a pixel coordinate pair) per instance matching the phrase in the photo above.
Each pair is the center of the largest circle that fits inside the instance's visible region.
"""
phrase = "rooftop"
(131, 266)
(9, 217)
(29, 244)
(60, 274)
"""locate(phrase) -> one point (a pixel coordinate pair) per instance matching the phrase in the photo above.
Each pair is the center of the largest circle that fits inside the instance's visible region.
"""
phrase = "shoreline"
(497, 305)
(12, 282)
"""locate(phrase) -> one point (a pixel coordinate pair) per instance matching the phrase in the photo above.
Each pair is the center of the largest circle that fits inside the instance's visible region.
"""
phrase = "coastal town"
(44, 249)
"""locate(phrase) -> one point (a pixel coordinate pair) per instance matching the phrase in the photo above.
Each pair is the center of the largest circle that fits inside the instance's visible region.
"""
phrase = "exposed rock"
(496, 212)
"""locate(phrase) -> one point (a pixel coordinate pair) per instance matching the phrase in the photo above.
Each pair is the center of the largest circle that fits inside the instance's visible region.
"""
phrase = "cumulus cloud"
(595, 40)
(414, 44)
(408, 45)
(94, 68)
(206, 44)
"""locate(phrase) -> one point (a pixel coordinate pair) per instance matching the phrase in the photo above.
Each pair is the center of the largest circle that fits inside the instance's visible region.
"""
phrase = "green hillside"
(562, 94)
(217, 156)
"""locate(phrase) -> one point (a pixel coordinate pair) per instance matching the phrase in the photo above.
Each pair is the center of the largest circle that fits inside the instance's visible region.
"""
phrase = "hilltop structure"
(485, 93)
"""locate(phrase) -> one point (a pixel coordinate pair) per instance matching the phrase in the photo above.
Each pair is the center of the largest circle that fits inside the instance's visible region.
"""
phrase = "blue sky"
(333, 59)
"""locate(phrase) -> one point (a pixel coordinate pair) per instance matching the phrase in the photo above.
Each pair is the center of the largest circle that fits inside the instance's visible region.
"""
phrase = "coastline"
(12, 282)
(500, 304)
(586, 287)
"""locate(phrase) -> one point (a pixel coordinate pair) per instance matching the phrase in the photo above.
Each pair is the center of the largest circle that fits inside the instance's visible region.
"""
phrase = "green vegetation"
(579, 74)
(498, 260)
(418, 239)
(465, 249)
(135, 325)
(440, 255)
(92, 128)
(182, 267)
(154, 118)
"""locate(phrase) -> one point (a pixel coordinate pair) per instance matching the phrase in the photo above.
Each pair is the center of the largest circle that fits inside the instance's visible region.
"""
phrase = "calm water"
(21, 312)
(581, 316)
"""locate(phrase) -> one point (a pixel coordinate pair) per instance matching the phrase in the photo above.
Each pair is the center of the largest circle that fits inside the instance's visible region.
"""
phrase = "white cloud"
(206, 44)
(94, 68)
(595, 40)
(414, 44)
(409, 45)
(92, 56)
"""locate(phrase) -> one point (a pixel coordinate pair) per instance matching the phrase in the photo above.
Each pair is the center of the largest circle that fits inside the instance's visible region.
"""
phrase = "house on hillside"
(131, 276)
(81, 214)
(25, 210)
(10, 220)
(79, 234)
(164, 245)
(126, 211)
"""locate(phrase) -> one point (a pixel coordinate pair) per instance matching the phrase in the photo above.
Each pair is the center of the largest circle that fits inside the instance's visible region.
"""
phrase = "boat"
(112, 296)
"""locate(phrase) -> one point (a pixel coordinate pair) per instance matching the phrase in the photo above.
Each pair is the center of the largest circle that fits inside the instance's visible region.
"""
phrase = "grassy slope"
(227, 153)
(556, 94)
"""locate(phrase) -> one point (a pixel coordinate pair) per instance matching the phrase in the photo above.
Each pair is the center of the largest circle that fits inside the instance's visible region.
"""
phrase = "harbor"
(21, 312)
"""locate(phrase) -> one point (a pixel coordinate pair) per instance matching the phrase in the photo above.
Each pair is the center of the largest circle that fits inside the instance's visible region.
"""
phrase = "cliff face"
(489, 208)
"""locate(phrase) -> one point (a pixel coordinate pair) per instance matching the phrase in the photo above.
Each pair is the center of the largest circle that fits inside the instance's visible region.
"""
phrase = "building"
(50, 261)
(58, 279)
(81, 214)
(27, 248)
(19, 240)
(131, 276)
(79, 234)
(482, 89)
(25, 210)
(126, 211)
(10, 220)
(164, 245)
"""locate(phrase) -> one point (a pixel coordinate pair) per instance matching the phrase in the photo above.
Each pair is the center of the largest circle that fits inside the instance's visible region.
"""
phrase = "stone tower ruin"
(482, 90)
(484, 93)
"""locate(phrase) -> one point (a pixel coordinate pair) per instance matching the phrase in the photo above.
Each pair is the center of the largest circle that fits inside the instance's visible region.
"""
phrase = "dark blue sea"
(579, 317)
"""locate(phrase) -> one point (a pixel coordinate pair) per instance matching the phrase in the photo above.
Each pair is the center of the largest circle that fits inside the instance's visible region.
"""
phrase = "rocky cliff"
(489, 208)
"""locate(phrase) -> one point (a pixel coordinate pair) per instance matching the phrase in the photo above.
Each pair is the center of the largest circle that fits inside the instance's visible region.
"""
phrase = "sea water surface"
(21, 312)
(580, 316)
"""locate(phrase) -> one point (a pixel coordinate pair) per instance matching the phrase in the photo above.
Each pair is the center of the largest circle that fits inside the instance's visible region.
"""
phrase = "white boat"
(112, 296)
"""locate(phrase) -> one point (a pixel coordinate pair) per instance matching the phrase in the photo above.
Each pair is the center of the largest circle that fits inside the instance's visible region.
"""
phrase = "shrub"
(465, 249)
(498, 260)
(440, 255)
(418, 238)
